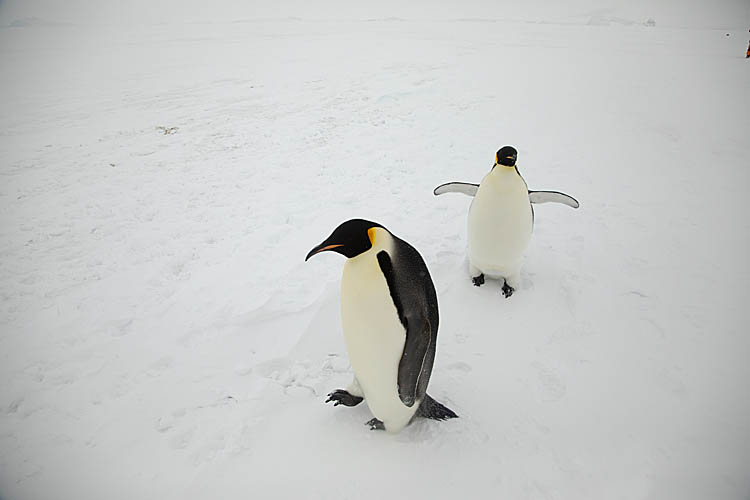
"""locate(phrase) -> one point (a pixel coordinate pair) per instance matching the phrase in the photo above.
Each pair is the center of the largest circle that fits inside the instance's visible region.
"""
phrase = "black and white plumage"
(535, 197)
(390, 318)
(501, 219)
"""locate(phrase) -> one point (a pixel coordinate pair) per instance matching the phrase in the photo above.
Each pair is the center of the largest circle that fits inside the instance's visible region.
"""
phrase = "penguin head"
(350, 239)
(506, 156)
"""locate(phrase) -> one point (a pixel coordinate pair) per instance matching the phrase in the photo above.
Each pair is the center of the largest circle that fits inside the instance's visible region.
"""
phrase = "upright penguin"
(389, 313)
(501, 219)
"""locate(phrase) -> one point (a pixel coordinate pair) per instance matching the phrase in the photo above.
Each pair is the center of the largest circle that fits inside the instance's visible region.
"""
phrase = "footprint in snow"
(551, 387)
(459, 366)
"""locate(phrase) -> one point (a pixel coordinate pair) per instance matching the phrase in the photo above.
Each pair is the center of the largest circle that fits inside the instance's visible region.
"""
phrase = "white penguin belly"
(500, 223)
(374, 339)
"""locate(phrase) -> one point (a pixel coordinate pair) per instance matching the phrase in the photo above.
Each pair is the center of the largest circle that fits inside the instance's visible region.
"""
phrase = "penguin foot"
(478, 280)
(375, 425)
(508, 290)
(341, 397)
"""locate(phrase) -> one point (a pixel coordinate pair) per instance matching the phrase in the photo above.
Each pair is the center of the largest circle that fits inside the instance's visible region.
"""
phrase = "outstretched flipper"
(434, 410)
(553, 197)
(535, 197)
(457, 187)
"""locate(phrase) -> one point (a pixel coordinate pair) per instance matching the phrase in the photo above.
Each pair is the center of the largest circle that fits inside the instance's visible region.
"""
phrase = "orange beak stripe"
(329, 247)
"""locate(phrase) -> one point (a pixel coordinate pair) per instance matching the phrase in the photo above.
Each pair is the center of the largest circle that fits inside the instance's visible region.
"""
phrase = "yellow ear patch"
(371, 235)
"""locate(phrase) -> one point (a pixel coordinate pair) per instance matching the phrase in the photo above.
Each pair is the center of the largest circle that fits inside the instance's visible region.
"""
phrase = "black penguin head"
(350, 239)
(506, 156)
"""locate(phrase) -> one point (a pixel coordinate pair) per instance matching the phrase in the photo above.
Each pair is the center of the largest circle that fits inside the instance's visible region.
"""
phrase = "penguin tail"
(434, 410)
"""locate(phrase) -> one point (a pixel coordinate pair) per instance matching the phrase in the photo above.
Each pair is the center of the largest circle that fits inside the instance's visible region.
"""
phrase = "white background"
(161, 336)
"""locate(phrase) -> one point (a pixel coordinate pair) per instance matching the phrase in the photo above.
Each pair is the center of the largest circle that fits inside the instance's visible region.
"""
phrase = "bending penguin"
(389, 312)
(501, 219)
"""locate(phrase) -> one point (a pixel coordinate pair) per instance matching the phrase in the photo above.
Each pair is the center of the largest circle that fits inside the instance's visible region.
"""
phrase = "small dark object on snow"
(167, 130)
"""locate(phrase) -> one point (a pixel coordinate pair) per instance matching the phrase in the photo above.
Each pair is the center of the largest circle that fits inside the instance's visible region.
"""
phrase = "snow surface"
(165, 169)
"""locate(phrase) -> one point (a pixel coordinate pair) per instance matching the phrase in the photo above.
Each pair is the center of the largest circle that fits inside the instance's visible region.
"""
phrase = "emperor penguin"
(389, 314)
(501, 219)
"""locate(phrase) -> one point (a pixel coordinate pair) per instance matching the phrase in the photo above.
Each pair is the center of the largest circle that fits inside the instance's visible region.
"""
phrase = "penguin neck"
(503, 171)
(366, 266)
(504, 178)
(381, 240)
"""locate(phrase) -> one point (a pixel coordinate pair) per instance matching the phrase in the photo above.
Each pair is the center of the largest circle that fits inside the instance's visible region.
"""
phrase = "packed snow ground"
(164, 176)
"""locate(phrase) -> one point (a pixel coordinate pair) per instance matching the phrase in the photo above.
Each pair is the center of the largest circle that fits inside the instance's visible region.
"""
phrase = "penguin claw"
(375, 425)
(342, 397)
(478, 280)
(508, 290)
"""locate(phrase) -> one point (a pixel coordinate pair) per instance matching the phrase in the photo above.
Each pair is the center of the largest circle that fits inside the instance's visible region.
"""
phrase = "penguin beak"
(321, 248)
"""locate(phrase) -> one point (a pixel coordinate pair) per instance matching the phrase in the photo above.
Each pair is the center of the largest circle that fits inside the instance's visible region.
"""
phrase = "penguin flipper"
(415, 360)
(457, 187)
(417, 311)
(553, 197)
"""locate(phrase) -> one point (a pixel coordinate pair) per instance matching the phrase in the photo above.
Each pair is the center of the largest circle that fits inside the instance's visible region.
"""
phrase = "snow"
(161, 336)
